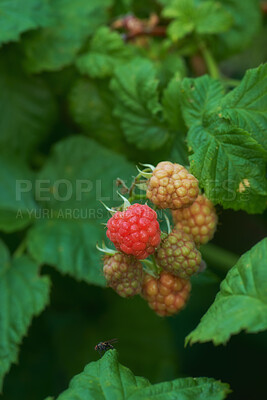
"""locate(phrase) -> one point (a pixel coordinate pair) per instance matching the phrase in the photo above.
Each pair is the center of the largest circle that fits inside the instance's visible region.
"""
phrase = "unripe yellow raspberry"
(199, 220)
(172, 186)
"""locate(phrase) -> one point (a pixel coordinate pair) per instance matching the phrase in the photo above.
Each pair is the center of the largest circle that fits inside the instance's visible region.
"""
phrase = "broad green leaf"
(241, 303)
(137, 104)
(70, 245)
(104, 379)
(246, 105)
(77, 177)
(16, 194)
(184, 13)
(107, 379)
(246, 17)
(106, 51)
(199, 96)
(228, 158)
(56, 45)
(212, 18)
(179, 29)
(230, 166)
(27, 108)
(23, 295)
(234, 22)
(184, 389)
(80, 174)
(18, 17)
(91, 107)
(205, 17)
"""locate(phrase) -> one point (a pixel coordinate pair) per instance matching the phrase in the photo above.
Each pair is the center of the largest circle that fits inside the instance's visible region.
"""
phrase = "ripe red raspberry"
(199, 220)
(124, 274)
(135, 231)
(178, 254)
(171, 186)
(166, 295)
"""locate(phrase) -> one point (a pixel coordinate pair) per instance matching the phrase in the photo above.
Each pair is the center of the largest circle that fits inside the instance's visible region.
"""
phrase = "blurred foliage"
(84, 97)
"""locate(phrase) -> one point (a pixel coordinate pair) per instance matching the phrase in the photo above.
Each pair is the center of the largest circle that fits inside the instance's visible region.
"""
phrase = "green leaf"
(184, 389)
(16, 195)
(228, 160)
(27, 108)
(79, 174)
(230, 166)
(241, 303)
(106, 379)
(106, 51)
(137, 104)
(23, 295)
(199, 96)
(91, 107)
(179, 29)
(184, 12)
(246, 105)
(206, 17)
(212, 18)
(69, 245)
(18, 17)
(55, 46)
(234, 22)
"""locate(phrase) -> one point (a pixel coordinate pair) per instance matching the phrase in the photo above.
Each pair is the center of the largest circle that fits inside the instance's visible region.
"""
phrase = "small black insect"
(102, 347)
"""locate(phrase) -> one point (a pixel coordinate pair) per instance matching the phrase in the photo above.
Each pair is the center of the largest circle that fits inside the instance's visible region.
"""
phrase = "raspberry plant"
(89, 91)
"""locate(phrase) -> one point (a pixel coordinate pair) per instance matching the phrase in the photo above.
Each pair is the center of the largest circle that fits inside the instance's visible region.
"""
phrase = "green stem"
(20, 249)
(230, 82)
(218, 259)
(137, 197)
(210, 61)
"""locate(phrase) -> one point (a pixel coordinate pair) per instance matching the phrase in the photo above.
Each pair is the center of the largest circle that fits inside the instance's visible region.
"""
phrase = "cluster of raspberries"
(136, 234)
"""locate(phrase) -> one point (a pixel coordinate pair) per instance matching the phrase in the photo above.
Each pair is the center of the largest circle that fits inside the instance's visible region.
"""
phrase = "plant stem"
(210, 61)
(20, 249)
(137, 197)
(219, 259)
(230, 82)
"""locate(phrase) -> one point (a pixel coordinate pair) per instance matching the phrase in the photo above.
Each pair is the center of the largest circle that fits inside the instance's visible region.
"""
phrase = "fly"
(102, 347)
